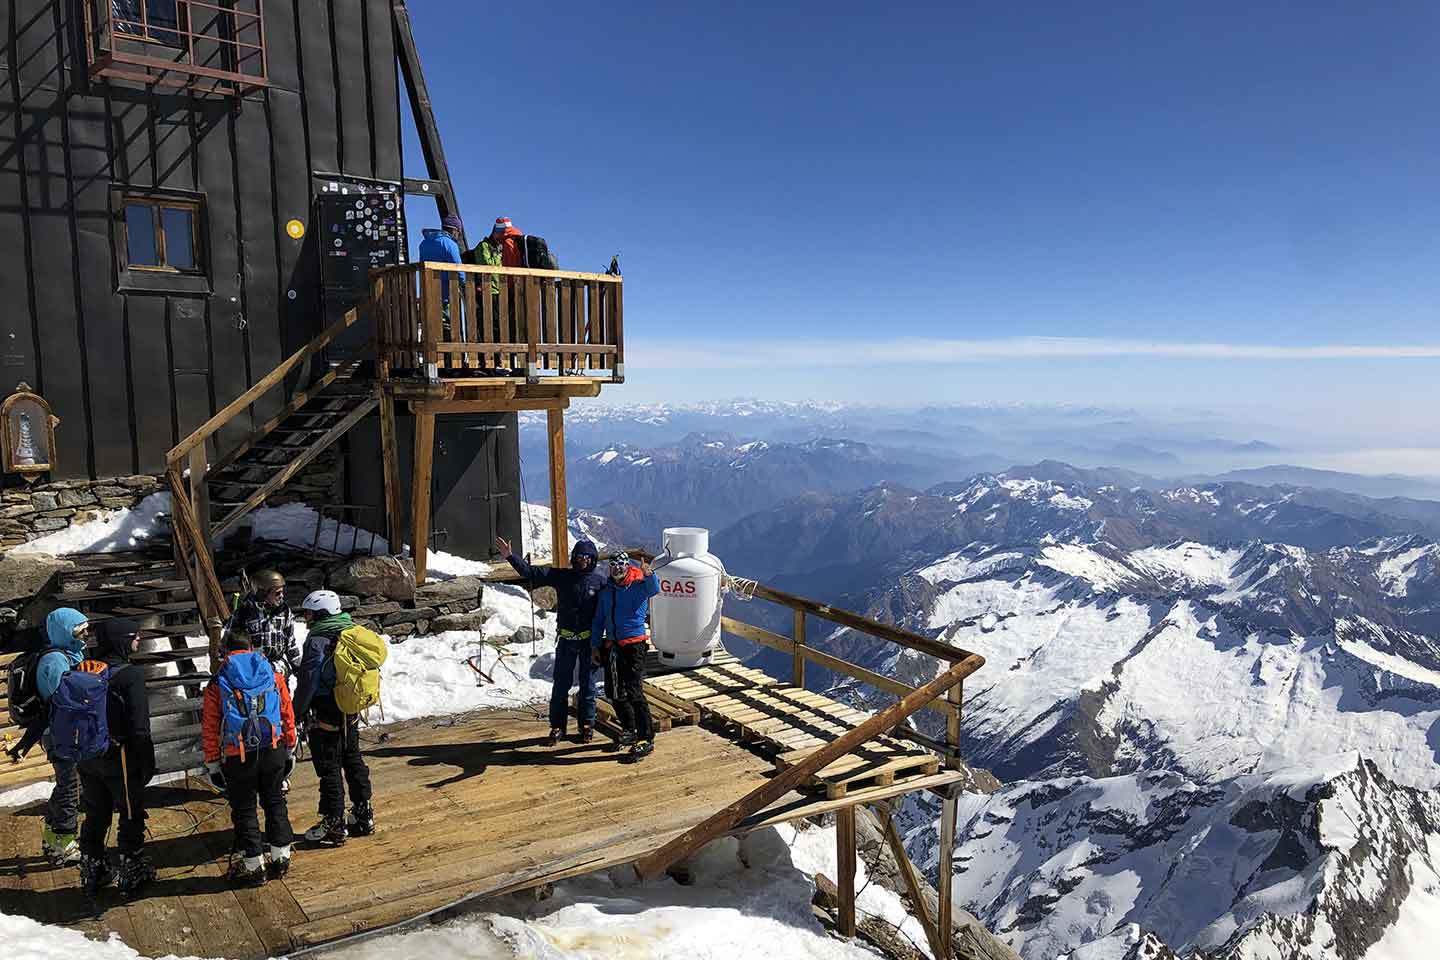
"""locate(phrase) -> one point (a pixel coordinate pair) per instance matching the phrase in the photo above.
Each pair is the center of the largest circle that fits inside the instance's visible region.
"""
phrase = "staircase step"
(157, 658)
(176, 735)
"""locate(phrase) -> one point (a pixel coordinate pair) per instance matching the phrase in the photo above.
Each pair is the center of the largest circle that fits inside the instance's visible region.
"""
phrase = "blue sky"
(844, 177)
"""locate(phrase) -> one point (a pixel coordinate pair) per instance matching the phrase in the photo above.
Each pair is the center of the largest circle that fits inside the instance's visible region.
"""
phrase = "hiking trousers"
(259, 777)
(339, 764)
(103, 796)
(572, 653)
(63, 810)
(631, 707)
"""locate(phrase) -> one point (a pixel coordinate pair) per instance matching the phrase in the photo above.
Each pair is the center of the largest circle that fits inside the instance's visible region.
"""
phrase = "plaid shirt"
(272, 632)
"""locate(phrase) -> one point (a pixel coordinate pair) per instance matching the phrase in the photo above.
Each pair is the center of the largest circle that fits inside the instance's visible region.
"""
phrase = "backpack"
(249, 703)
(537, 253)
(80, 714)
(359, 654)
(21, 692)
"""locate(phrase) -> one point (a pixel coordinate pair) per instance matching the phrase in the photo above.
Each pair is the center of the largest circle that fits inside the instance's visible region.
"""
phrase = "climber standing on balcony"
(443, 246)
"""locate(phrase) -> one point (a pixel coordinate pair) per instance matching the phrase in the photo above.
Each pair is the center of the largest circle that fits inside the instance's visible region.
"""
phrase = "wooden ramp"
(466, 807)
(790, 723)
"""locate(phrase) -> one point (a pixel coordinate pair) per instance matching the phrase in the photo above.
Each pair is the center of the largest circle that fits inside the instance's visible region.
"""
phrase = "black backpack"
(537, 253)
(26, 705)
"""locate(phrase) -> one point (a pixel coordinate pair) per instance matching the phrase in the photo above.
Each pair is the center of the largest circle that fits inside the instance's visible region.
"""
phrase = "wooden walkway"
(789, 723)
(467, 808)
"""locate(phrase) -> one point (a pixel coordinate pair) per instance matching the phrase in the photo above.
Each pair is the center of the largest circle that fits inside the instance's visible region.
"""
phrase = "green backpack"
(359, 654)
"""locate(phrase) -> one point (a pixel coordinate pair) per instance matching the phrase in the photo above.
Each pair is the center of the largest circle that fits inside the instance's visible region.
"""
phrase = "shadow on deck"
(467, 808)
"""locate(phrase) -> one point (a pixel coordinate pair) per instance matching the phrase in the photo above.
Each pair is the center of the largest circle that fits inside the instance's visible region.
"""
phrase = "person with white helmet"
(334, 738)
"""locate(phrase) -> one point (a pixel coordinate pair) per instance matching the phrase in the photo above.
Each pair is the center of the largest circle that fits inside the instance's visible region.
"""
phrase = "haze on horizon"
(1131, 206)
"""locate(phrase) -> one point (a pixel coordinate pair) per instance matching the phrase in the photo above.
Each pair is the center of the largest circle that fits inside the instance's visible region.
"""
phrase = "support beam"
(559, 510)
(486, 406)
(390, 464)
(946, 871)
(845, 868)
(420, 491)
(423, 112)
(918, 904)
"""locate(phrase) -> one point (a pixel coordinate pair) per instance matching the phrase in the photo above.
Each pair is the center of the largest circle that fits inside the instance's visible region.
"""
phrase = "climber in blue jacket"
(618, 638)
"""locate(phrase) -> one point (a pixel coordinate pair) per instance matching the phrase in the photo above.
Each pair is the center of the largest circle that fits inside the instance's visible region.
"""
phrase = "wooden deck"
(467, 808)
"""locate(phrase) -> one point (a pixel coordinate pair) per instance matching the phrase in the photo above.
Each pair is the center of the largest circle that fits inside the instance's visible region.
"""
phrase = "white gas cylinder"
(685, 614)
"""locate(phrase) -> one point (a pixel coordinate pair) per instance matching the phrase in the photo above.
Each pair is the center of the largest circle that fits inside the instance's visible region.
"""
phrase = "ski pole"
(125, 784)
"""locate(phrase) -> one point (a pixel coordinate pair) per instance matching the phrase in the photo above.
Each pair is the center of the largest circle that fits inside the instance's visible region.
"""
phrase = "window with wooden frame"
(151, 21)
(159, 241)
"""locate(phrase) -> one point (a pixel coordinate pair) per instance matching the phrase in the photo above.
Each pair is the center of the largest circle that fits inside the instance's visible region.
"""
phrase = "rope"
(740, 587)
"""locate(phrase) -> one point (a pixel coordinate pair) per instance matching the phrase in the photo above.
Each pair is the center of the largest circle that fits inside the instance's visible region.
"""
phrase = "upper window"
(160, 234)
(153, 20)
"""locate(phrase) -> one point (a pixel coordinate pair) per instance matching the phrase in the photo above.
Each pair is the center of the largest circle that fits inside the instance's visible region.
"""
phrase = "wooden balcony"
(471, 326)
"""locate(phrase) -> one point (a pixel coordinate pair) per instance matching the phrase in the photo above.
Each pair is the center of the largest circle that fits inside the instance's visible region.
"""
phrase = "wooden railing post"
(532, 330)
(845, 868)
(390, 465)
(797, 668)
(430, 317)
(617, 328)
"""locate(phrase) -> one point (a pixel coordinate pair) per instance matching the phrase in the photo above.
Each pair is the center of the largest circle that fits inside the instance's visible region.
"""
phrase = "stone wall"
(31, 511)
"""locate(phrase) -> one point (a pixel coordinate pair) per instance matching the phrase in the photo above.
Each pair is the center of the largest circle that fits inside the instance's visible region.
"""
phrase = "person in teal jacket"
(618, 638)
(66, 630)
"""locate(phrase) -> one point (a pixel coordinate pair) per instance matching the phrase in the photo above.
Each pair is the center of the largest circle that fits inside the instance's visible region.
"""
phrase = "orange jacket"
(211, 716)
(511, 253)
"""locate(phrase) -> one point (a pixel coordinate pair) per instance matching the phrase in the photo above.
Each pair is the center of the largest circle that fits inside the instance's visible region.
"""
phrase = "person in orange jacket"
(248, 732)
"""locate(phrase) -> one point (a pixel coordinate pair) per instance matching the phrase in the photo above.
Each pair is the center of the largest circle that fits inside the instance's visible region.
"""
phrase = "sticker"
(291, 294)
(338, 241)
(390, 205)
(359, 204)
(296, 229)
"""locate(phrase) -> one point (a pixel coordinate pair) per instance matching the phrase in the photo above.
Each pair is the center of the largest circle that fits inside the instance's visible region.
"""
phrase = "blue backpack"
(249, 703)
(79, 713)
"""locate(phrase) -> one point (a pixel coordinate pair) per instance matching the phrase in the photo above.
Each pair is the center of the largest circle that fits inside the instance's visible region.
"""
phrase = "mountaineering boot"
(555, 734)
(61, 849)
(626, 738)
(587, 733)
(279, 862)
(94, 875)
(641, 750)
(135, 871)
(360, 822)
(329, 832)
(247, 872)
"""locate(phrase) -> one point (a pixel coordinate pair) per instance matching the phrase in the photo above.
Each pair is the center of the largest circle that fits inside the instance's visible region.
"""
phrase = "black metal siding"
(130, 374)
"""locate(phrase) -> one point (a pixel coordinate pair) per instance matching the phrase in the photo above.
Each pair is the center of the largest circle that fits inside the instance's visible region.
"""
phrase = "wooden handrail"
(515, 271)
(654, 864)
(855, 621)
(262, 386)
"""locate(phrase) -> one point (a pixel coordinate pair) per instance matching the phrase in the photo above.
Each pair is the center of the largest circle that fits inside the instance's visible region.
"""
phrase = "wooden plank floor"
(466, 807)
(792, 723)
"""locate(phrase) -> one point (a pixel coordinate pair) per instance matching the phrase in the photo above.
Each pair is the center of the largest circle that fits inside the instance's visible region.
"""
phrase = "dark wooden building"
(175, 176)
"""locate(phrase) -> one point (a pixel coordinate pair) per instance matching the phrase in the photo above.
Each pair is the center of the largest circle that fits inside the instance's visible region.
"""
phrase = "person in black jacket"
(115, 783)
(576, 589)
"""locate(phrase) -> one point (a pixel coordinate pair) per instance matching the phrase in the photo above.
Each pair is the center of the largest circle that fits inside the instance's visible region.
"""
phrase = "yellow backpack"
(359, 654)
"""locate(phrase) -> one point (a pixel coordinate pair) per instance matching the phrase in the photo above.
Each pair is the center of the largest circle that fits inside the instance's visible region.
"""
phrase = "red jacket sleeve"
(210, 723)
(287, 711)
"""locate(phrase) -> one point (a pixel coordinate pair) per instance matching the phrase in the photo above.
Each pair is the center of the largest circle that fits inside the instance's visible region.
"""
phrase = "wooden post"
(797, 668)
(946, 871)
(617, 329)
(420, 491)
(559, 510)
(390, 456)
(200, 493)
(912, 880)
(532, 330)
(845, 867)
(430, 318)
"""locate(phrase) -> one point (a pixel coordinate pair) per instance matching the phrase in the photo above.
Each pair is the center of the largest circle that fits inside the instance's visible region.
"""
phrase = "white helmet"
(322, 601)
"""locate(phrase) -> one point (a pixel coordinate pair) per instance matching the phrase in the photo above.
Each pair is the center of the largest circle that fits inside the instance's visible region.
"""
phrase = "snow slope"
(1309, 863)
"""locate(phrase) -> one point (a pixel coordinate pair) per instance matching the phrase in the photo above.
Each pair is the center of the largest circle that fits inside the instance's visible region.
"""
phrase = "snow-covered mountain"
(1170, 674)
(1331, 861)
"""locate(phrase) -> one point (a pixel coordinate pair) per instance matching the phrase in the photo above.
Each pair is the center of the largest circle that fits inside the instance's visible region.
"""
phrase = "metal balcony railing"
(217, 47)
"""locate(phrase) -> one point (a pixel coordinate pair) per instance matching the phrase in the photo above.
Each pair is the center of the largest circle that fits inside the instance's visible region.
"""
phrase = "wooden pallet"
(664, 713)
(791, 723)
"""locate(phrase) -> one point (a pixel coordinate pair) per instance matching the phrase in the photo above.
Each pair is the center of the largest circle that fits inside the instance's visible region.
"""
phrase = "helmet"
(322, 601)
(267, 580)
